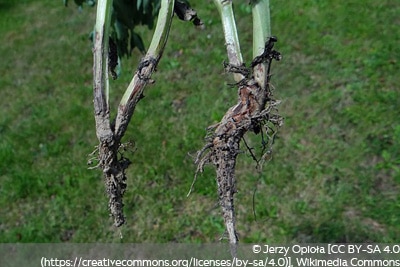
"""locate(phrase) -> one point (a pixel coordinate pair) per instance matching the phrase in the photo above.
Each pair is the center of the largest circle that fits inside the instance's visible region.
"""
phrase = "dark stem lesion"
(241, 69)
(144, 64)
(112, 58)
(268, 54)
(186, 13)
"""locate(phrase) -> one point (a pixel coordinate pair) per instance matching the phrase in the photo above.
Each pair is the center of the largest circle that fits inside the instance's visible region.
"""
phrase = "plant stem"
(261, 25)
(100, 53)
(161, 32)
(157, 43)
(113, 169)
(226, 145)
(135, 89)
(249, 114)
(261, 33)
(231, 37)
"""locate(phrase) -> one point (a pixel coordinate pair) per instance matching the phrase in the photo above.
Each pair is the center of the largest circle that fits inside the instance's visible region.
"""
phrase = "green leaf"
(122, 35)
(148, 19)
(156, 7)
(146, 6)
(137, 41)
(79, 2)
(123, 12)
(126, 15)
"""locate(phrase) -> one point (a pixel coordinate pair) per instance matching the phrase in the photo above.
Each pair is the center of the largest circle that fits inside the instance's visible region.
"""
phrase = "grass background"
(335, 172)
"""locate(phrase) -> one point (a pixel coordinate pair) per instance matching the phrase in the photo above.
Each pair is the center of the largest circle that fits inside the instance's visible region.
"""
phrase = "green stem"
(231, 37)
(157, 43)
(148, 64)
(101, 31)
(261, 33)
(261, 25)
(162, 29)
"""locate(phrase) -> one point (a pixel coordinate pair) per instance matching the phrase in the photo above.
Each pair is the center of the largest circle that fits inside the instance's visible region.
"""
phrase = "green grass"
(335, 171)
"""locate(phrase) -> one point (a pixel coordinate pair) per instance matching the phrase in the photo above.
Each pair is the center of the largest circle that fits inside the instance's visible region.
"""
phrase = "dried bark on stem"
(255, 110)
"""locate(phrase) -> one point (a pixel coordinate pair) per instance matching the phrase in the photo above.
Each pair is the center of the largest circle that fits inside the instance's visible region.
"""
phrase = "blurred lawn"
(335, 172)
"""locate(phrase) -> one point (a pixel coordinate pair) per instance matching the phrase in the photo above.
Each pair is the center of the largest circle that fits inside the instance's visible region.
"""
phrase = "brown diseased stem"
(110, 134)
(254, 110)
